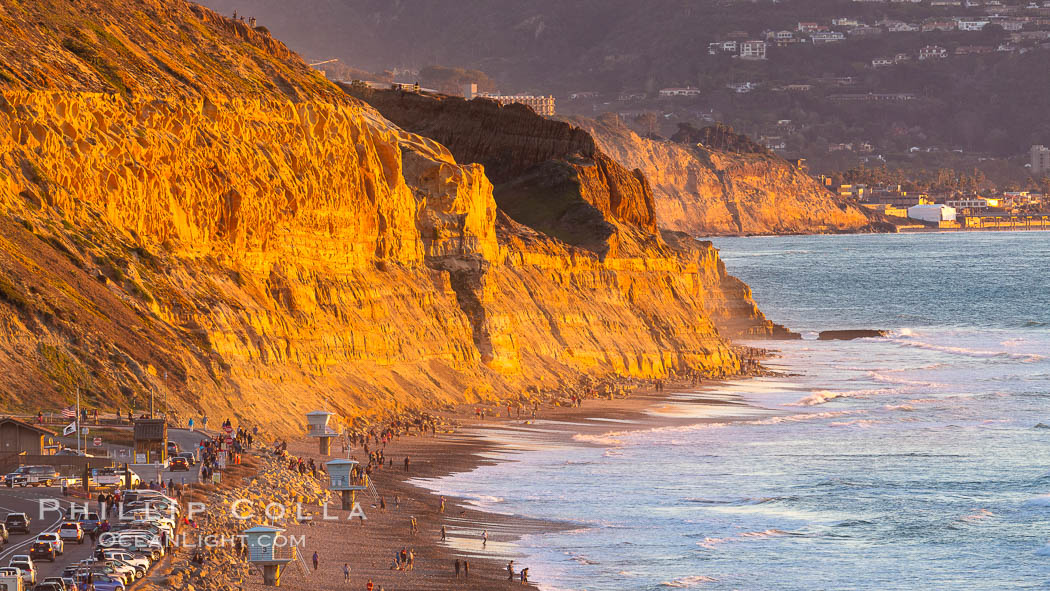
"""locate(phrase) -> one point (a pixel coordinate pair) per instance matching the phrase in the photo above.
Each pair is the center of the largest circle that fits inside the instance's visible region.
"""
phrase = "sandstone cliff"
(190, 210)
(710, 192)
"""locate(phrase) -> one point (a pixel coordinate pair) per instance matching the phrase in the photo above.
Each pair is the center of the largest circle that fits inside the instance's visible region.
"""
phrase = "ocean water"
(917, 461)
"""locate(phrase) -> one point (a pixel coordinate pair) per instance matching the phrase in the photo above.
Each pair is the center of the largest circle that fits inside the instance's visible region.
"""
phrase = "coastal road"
(27, 500)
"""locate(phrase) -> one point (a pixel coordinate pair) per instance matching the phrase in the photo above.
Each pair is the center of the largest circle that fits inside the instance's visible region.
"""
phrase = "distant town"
(974, 209)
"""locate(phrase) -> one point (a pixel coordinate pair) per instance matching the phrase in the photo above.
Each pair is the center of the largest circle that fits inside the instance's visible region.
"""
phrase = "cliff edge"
(713, 188)
(190, 211)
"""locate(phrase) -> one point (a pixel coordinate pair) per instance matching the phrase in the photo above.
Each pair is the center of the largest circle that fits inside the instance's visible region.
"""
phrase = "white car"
(126, 571)
(24, 563)
(72, 531)
(55, 541)
(127, 557)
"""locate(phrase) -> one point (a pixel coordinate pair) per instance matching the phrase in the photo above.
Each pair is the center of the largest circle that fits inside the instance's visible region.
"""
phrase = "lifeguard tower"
(340, 478)
(317, 424)
(264, 551)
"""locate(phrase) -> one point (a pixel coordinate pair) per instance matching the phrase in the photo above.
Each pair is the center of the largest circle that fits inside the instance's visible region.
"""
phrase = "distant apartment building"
(845, 22)
(826, 37)
(932, 52)
(1040, 159)
(872, 97)
(973, 49)
(938, 25)
(542, 105)
(742, 87)
(811, 27)
(674, 91)
(753, 50)
(970, 25)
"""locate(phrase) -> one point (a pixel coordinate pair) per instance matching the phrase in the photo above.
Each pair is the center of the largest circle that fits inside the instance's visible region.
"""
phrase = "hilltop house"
(827, 37)
(970, 25)
(677, 91)
(753, 50)
(932, 52)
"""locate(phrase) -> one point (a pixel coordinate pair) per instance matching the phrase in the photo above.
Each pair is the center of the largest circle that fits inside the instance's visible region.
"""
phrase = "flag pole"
(77, 421)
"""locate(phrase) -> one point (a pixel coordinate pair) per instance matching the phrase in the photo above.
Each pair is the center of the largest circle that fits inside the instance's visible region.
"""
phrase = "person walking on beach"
(457, 568)
(466, 569)
(371, 586)
(346, 573)
(484, 538)
(414, 525)
(524, 576)
(443, 534)
(442, 508)
(317, 559)
(406, 463)
(411, 559)
(510, 570)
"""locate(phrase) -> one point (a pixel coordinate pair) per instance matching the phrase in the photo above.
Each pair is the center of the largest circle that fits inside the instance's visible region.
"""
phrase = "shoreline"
(369, 548)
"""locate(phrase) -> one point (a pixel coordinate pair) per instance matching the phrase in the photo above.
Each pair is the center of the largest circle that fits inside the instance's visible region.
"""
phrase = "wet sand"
(369, 547)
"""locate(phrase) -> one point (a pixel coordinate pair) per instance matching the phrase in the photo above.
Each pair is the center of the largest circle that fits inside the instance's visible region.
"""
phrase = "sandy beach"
(368, 548)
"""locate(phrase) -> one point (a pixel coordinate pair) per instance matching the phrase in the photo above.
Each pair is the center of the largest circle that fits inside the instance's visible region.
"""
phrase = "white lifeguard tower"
(340, 479)
(317, 425)
(264, 551)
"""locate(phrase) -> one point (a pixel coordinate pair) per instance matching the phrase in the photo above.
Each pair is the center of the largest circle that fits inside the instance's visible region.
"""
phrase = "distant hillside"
(739, 189)
(984, 100)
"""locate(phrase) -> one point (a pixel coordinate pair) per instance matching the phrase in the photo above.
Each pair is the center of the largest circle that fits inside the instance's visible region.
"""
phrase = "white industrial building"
(932, 212)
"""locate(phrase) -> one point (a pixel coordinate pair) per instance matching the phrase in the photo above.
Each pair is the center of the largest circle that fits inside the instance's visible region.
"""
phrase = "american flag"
(69, 413)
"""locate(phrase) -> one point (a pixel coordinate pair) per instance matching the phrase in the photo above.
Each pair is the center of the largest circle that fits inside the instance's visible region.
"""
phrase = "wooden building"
(20, 437)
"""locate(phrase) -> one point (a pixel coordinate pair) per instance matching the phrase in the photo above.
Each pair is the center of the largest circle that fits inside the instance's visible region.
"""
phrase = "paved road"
(27, 500)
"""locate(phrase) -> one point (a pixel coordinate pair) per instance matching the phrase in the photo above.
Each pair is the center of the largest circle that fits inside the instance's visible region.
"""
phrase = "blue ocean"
(915, 461)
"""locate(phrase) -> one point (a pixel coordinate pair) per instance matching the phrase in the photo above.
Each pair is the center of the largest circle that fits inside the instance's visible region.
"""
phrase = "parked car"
(59, 582)
(17, 523)
(55, 541)
(32, 476)
(48, 587)
(107, 583)
(72, 531)
(135, 560)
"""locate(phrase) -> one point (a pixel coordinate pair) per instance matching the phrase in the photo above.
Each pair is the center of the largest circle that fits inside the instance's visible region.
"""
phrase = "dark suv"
(42, 550)
(17, 523)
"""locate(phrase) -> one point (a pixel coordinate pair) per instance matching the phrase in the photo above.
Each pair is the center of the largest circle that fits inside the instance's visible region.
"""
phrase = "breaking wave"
(966, 352)
(688, 582)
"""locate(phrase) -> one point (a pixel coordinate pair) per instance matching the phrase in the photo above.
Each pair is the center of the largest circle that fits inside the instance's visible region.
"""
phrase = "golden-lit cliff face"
(707, 192)
(189, 210)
